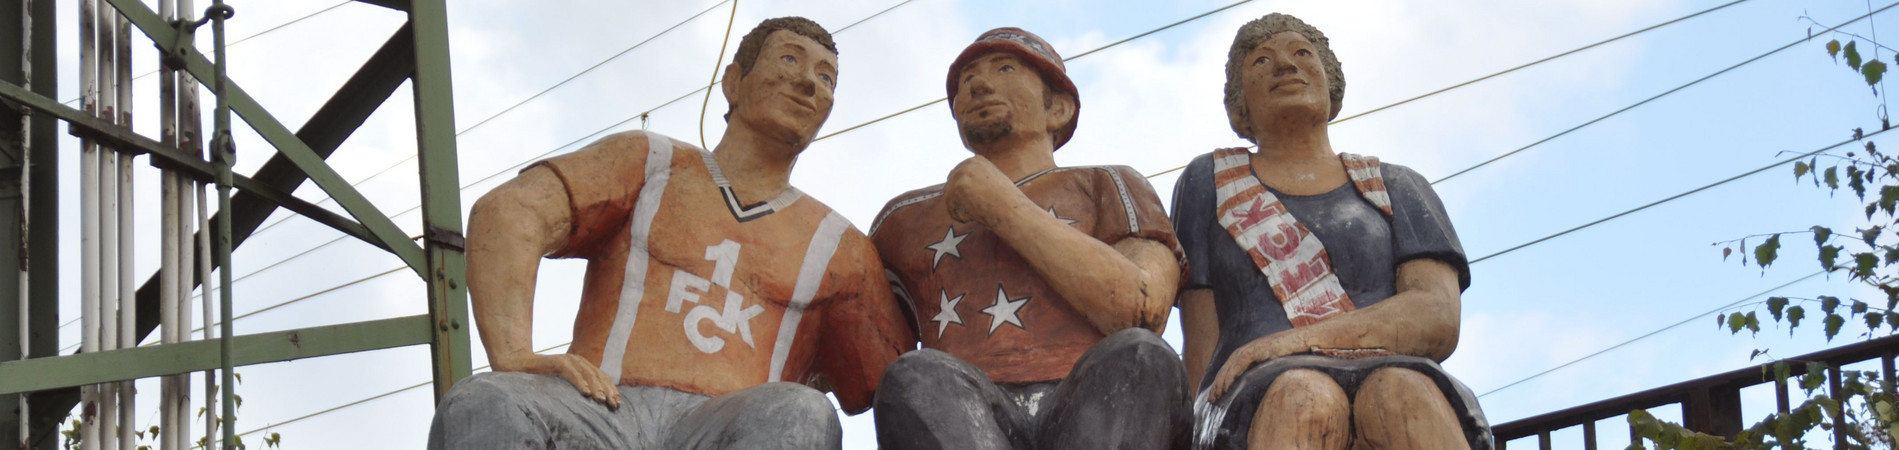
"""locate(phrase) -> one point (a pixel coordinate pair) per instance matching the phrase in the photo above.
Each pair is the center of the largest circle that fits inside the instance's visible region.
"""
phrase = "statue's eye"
(1303, 52)
(827, 79)
(1006, 68)
(788, 59)
(1261, 61)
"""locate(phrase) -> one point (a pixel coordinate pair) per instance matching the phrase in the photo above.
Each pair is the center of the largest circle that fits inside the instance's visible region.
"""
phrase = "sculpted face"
(788, 93)
(999, 97)
(1283, 80)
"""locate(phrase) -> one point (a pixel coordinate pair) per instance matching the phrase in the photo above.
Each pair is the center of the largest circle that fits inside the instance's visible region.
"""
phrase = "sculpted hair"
(1260, 30)
(754, 42)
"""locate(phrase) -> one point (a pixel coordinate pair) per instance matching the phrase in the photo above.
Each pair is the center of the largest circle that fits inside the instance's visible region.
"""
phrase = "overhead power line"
(246, 38)
(1512, 69)
(1650, 334)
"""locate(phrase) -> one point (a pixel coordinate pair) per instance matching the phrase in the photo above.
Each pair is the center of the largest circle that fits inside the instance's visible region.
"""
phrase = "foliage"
(74, 434)
(1862, 406)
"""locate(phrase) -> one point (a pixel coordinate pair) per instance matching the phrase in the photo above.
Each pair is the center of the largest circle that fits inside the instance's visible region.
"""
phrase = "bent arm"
(1127, 285)
(1200, 331)
(509, 229)
(1420, 320)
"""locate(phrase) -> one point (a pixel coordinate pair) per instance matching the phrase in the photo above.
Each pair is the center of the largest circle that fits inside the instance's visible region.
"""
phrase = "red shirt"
(976, 298)
(729, 296)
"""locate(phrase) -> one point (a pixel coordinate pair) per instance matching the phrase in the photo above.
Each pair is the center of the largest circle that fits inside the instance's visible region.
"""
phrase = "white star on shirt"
(1065, 220)
(948, 314)
(947, 246)
(1005, 310)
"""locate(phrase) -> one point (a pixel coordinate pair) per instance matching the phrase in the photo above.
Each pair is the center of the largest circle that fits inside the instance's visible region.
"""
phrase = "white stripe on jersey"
(817, 261)
(659, 163)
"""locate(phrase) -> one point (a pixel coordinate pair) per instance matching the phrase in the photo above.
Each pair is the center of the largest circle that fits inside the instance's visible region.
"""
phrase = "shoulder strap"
(1369, 178)
(1292, 258)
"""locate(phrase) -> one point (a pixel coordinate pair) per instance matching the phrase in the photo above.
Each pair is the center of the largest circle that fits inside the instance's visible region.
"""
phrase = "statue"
(1325, 285)
(1036, 289)
(712, 284)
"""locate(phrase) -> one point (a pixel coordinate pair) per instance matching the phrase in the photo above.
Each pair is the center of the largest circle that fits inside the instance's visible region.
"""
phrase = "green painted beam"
(441, 193)
(281, 137)
(171, 359)
(170, 157)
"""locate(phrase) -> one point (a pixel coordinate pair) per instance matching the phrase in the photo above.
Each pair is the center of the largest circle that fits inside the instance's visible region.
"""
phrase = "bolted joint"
(223, 148)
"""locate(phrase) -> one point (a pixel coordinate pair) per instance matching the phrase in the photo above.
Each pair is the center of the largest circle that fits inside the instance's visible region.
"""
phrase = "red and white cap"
(1033, 51)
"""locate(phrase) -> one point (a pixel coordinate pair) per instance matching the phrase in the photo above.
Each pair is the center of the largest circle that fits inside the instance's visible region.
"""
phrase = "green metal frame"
(416, 53)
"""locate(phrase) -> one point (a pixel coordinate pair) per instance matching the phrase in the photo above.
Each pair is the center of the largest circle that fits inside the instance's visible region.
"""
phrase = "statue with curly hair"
(1324, 287)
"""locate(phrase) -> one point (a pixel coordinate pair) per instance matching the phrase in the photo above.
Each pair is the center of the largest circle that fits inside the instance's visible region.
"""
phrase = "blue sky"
(1152, 104)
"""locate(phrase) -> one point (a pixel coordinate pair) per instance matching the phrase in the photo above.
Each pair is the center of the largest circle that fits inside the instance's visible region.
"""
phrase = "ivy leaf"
(1833, 324)
(1775, 305)
(1832, 176)
(1765, 253)
(1794, 314)
(1873, 70)
(1828, 255)
(1833, 49)
(1852, 55)
(1800, 169)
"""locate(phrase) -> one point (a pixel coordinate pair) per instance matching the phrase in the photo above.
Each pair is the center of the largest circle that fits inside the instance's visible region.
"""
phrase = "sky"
(1152, 103)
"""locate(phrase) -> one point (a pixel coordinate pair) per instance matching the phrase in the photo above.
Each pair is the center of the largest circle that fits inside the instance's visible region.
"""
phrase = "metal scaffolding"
(38, 388)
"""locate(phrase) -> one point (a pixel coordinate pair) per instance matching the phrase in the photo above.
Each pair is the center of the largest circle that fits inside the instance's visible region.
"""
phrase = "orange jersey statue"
(726, 296)
(976, 298)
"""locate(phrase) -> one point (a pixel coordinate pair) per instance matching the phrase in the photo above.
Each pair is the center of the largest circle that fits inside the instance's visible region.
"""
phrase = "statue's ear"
(728, 83)
(1061, 111)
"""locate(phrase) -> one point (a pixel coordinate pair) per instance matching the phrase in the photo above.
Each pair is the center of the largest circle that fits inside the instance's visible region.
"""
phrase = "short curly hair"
(754, 42)
(1259, 30)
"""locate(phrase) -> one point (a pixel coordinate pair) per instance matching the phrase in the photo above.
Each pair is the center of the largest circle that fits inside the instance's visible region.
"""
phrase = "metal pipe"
(168, 268)
(89, 216)
(128, 287)
(26, 210)
(108, 223)
(223, 152)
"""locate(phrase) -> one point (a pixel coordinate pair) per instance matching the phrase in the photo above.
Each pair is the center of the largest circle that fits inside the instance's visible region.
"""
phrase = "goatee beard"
(987, 133)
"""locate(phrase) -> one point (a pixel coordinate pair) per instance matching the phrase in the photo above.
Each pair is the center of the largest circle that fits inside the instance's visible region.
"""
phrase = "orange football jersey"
(976, 298)
(689, 289)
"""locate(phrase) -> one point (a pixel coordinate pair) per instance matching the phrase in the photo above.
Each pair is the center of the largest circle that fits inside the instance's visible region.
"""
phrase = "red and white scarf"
(1293, 259)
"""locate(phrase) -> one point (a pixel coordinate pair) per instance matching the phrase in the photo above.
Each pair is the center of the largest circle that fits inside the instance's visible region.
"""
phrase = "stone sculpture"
(1036, 289)
(1325, 286)
(714, 293)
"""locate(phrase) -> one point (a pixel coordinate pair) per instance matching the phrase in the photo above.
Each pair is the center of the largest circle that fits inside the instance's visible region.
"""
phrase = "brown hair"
(1259, 30)
(754, 42)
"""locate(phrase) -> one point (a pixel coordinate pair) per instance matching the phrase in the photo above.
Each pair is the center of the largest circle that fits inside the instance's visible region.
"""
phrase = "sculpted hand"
(978, 191)
(1243, 359)
(587, 378)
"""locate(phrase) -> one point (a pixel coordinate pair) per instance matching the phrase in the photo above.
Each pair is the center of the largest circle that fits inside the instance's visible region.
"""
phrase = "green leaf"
(1833, 324)
(1870, 235)
(1832, 177)
(1888, 196)
(1855, 181)
(1753, 323)
(1800, 168)
(1873, 320)
(1828, 255)
(1765, 253)
(1865, 262)
(1794, 314)
(1852, 55)
(1736, 322)
(1815, 376)
(1859, 307)
(1833, 49)
(1782, 371)
(1821, 234)
(1775, 305)
(1828, 303)
(1873, 70)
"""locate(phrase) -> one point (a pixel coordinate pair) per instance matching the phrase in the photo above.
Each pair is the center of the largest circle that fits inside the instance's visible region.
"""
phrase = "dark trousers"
(526, 411)
(1129, 391)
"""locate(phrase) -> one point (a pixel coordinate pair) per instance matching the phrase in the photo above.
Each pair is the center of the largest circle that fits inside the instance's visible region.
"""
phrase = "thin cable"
(1071, 58)
(1651, 333)
(1676, 196)
(1513, 69)
(719, 61)
(584, 72)
(1650, 99)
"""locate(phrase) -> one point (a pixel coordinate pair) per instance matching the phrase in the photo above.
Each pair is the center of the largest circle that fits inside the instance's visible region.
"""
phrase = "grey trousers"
(528, 411)
(1129, 391)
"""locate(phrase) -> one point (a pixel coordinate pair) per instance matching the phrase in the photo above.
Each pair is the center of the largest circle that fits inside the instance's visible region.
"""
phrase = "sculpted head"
(781, 81)
(1011, 83)
(1279, 62)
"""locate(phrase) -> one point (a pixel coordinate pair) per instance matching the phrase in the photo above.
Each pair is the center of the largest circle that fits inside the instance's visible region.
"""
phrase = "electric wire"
(718, 61)
(1650, 334)
(246, 38)
(1657, 96)
(1512, 69)
(1676, 196)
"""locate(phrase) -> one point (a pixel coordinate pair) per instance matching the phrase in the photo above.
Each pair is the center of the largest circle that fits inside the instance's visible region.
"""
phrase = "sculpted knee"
(1391, 384)
(1307, 392)
(485, 391)
(1139, 345)
(924, 367)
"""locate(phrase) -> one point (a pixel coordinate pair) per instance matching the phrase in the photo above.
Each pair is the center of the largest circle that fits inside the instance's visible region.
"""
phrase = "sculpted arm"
(1129, 284)
(1200, 331)
(1420, 320)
